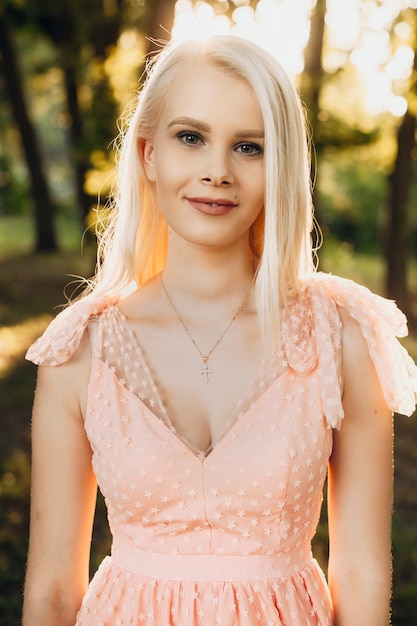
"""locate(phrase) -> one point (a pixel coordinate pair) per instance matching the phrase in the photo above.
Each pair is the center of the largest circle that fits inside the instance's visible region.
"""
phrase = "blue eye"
(249, 149)
(190, 138)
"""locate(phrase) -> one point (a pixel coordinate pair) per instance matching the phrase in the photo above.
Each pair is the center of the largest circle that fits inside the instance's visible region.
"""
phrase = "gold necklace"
(205, 370)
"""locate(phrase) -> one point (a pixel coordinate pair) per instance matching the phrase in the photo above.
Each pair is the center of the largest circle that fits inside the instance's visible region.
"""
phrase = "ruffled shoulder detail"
(62, 337)
(312, 335)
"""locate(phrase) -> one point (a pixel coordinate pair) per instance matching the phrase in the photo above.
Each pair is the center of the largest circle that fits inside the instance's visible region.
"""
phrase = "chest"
(267, 467)
(201, 387)
(285, 418)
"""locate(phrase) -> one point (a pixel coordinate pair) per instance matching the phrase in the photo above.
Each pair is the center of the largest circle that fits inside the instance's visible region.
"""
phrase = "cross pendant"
(205, 370)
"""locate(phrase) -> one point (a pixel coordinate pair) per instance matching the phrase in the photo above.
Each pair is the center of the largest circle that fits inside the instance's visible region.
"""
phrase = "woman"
(210, 377)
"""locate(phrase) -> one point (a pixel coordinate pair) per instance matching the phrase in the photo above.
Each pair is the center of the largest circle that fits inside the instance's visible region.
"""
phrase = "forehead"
(203, 90)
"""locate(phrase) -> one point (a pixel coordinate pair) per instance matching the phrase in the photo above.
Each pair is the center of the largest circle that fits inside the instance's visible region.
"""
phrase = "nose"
(217, 181)
(217, 172)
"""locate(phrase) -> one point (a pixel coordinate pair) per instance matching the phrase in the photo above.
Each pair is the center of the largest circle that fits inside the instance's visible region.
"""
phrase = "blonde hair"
(133, 247)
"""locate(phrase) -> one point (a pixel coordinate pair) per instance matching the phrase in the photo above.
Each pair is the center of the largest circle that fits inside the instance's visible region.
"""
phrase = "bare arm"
(360, 493)
(63, 496)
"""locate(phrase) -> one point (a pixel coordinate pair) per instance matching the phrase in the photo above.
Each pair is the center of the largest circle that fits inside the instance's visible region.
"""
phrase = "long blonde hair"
(132, 248)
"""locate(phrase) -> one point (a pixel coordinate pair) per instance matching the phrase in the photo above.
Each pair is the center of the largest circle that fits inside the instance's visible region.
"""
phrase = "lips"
(212, 206)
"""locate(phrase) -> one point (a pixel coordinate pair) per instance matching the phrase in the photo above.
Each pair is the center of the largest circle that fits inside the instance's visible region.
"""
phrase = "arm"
(63, 496)
(360, 492)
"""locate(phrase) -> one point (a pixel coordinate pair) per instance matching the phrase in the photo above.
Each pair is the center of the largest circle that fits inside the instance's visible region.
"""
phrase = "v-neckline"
(167, 428)
(241, 407)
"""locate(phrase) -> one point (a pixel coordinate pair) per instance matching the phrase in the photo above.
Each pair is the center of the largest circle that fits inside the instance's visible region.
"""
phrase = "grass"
(17, 235)
(31, 286)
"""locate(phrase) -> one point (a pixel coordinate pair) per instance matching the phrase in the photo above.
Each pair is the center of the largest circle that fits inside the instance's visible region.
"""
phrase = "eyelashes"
(190, 138)
(246, 148)
(249, 149)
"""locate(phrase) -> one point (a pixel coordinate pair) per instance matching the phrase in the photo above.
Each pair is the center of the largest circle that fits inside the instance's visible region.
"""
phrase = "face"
(205, 161)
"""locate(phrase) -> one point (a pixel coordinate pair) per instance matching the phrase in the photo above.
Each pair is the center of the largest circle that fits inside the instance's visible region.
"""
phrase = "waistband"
(209, 567)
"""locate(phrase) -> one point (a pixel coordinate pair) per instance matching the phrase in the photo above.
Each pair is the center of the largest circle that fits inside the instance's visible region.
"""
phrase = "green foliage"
(14, 525)
(72, 81)
(404, 609)
(32, 287)
(57, 38)
(16, 235)
(352, 197)
(45, 97)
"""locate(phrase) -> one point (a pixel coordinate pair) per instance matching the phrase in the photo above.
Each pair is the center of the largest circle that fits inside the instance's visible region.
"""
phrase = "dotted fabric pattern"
(222, 536)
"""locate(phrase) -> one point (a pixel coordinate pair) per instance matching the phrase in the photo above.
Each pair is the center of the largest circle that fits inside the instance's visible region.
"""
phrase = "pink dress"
(223, 538)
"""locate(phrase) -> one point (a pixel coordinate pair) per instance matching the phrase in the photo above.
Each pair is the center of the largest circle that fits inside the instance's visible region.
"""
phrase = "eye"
(190, 138)
(249, 149)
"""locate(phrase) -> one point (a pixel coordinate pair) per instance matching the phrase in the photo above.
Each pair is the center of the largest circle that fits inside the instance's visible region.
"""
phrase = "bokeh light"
(358, 32)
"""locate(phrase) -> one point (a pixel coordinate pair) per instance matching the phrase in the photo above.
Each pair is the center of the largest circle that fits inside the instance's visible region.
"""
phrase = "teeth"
(214, 204)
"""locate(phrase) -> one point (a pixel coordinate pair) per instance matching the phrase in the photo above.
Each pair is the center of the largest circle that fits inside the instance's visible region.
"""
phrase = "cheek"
(170, 175)
(167, 189)
(259, 189)
(168, 171)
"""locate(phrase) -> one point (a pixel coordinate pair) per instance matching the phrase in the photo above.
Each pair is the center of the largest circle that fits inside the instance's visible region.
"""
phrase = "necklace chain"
(205, 369)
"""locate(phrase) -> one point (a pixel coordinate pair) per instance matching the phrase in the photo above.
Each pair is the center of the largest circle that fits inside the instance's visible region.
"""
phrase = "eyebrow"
(198, 125)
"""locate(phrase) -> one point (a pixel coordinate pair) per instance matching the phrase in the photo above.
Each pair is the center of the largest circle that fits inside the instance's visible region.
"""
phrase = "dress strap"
(95, 335)
(312, 337)
(380, 322)
(63, 335)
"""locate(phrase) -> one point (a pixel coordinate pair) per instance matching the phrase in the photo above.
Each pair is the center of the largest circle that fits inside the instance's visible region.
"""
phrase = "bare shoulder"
(355, 349)
(362, 392)
(357, 368)
(66, 384)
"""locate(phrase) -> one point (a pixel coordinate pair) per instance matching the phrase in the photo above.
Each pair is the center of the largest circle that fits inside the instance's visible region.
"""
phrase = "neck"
(201, 274)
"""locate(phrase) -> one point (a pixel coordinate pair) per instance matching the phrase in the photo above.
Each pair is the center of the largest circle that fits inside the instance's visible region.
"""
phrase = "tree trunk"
(71, 36)
(397, 240)
(76, 134)
(83, 35)
(313, 67)
(311, 82)
(43, 205)
(159, 23)
(398, 227)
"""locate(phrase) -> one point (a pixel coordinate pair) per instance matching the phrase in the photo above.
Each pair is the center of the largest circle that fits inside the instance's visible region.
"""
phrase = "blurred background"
(68, 71)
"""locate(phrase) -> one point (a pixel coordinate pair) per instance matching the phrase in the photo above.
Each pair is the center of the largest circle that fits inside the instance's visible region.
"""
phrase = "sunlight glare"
(197, 22)
(204, 13)
(283, 29)
(382, 16)
(281, 26)
(397, 105)
(401, 65)
(378, 89)
(372, 52)
(357, 32)
(243, 18)
(402, 30)
(343, 24)
(334, 60)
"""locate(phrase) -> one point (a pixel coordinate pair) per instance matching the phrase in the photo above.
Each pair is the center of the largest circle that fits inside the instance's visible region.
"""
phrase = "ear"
(147, 153)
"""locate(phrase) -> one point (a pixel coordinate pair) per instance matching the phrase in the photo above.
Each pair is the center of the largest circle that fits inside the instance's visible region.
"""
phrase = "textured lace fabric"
(115, 343)
(222, 537)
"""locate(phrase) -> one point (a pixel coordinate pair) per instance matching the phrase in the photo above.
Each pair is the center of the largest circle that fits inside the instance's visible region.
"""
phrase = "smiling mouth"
(220, 206)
